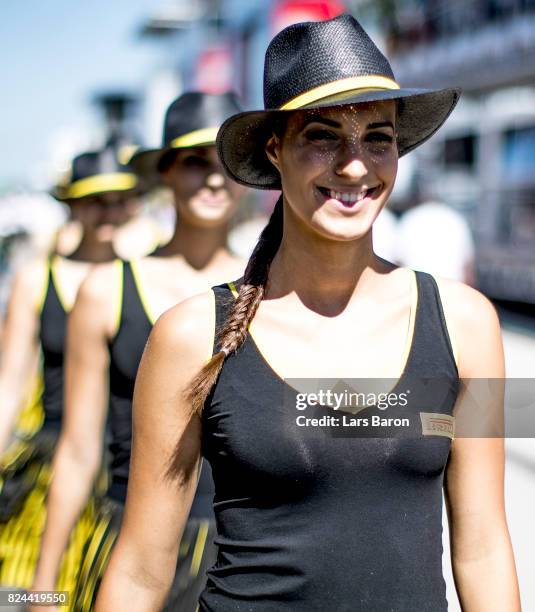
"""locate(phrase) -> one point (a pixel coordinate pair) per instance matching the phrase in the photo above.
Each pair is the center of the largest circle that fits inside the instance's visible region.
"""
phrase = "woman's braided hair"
(234, 331)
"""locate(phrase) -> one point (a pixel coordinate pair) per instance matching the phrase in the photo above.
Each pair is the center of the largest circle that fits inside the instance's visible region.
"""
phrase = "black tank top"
(53, 321)
(323, 518)
(126, 350)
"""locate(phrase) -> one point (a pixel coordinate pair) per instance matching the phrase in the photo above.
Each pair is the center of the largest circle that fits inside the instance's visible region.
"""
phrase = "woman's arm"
(20, 345)
(143, 562)
(482, 556)
(79, 451)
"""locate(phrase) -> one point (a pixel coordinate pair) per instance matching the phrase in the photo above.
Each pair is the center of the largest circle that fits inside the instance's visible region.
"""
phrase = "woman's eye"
(195, 161)
(379, 137)
(319, 135)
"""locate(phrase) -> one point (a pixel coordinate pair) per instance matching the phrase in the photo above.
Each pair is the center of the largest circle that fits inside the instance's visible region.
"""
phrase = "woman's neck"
(198, 245)
(93, 250)
(324, 273)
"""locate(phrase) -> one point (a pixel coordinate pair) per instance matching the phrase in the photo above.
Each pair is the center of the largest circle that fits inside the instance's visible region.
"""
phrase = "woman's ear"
(272, 150)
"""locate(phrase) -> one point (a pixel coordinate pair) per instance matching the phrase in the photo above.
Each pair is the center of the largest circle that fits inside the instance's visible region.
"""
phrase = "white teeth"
(347, 196)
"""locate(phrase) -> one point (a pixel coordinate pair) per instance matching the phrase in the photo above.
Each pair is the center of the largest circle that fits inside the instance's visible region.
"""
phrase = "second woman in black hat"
(326, 499)
(108, 337)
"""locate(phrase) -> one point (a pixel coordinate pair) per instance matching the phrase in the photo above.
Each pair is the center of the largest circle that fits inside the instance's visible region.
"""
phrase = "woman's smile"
(349, 198)
(338, 166)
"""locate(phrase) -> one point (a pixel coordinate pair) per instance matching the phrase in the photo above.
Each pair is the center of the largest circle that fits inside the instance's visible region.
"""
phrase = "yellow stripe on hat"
(197, 137)
(125, 153)
(117, 181)
(357, 84)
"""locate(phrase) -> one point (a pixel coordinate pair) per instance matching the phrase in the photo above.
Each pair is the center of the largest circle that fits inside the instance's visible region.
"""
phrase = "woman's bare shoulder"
(33, 272)
(467, 305)
(474, 327)
(29, 282)
(99, 298)
(100, 282)
(187, 329)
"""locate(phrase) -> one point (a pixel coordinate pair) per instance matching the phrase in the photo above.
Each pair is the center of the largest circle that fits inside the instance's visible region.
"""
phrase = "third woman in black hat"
(117, 307)
(321, 505)
(99, 192)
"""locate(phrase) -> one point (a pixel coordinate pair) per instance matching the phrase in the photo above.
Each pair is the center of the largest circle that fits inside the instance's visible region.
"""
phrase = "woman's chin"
(342, 230)
(106, 233)
(210, 215)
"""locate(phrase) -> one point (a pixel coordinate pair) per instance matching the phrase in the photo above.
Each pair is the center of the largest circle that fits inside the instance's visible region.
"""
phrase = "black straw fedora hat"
(324, 64)
(95, 172)
(192, 120)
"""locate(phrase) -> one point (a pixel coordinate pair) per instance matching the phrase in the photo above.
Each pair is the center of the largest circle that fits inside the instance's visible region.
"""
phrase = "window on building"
(518, 154)
(460, 152)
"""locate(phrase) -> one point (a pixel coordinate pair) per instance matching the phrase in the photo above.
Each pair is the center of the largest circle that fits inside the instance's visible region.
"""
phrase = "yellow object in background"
(31, 417)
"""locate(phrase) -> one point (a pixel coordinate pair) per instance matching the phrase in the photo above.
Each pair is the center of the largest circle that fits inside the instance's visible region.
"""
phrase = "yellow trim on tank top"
(118, 264)
(198, 550)
(61, 296)
(44, 288)
(96, 540)
(232, 287)
(141, 291)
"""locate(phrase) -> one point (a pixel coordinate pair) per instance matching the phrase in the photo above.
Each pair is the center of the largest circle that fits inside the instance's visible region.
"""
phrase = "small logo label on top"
(437, 424)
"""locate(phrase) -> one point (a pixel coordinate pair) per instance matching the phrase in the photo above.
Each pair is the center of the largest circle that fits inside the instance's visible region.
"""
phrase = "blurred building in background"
(483, 160)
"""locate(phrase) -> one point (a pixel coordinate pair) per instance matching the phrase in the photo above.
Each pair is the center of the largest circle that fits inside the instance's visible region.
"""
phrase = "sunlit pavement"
(519, 480)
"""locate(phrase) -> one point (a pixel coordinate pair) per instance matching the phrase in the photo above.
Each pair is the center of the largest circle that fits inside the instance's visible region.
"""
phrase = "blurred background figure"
(435, 238)
(108, 330)
(100, 192)
(28, 224)
(385, 236)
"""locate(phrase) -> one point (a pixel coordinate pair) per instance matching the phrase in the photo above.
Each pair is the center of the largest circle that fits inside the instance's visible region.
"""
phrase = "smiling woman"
(337, 161)
(297, 506)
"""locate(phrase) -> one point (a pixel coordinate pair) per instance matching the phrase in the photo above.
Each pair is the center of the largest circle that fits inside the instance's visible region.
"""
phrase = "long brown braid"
(234, 331)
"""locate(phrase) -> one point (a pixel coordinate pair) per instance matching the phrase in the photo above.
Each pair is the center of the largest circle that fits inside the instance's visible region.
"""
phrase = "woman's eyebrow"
(329, 122)
(380, 124)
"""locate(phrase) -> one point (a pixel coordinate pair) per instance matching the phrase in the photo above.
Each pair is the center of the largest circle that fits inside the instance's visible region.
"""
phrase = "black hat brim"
(145, 162)
(242, 137)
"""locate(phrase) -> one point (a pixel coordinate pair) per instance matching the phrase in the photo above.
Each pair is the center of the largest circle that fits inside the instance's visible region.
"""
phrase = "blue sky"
(55, 55)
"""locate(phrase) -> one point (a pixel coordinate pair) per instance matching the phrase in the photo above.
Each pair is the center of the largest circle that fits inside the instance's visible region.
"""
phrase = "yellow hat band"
(206, 136)
(351, 84)
(117, 181)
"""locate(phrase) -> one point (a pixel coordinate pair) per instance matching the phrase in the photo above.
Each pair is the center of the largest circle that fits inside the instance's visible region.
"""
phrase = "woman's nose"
(351, 162)
(215, 180)
(112, 213)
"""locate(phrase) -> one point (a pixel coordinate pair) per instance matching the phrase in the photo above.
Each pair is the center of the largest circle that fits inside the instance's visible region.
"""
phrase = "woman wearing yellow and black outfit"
(43, 294)
(111, 333)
